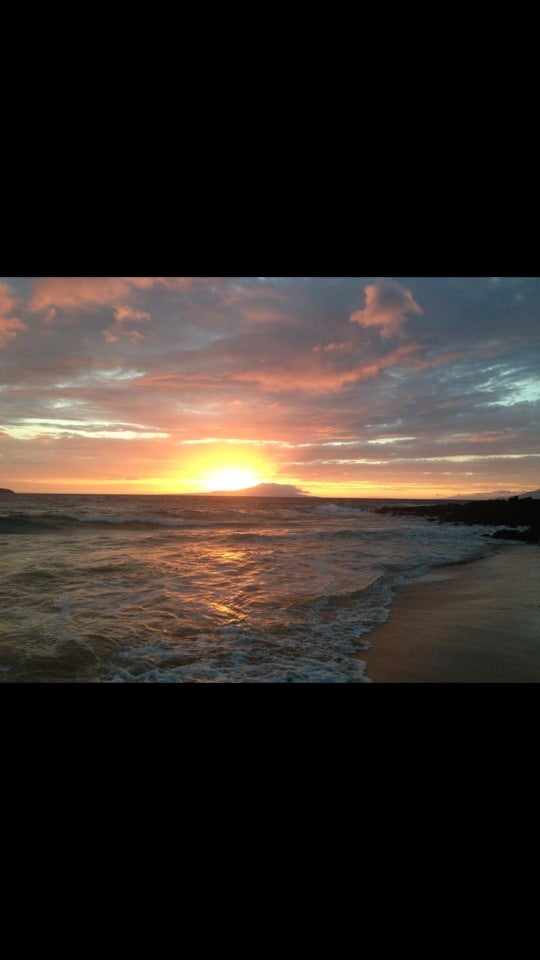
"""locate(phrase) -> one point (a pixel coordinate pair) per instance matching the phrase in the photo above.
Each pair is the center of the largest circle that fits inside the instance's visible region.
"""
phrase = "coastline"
(477, 622)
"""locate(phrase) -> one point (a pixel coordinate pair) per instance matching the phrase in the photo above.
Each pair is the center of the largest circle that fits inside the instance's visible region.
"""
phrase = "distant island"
(263, 490)
(4, 490)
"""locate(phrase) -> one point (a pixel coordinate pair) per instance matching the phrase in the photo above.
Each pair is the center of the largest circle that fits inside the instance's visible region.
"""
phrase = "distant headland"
(4, 490)
(263, 490)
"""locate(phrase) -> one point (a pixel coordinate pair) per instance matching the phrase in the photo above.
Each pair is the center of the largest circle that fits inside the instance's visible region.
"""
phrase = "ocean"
(205, 589)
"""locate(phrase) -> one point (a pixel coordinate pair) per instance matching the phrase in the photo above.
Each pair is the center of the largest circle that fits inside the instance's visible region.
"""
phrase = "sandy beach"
(471, 623)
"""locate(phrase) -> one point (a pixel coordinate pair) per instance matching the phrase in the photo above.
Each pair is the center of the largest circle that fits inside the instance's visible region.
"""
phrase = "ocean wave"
(275, 537)
(58, 523)
(246, 656)
(172, 590)
(335, 510)
(345, 534)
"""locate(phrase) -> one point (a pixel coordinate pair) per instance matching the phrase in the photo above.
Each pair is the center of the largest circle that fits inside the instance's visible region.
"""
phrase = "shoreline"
(475, 622)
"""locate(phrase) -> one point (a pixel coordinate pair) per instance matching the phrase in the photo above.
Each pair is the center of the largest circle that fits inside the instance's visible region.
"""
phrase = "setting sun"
(231, 478)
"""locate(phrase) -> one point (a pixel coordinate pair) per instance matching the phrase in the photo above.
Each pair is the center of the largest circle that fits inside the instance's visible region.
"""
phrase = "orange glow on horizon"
(231, 478)
(221, 465)
(203, 466)
(208, 481)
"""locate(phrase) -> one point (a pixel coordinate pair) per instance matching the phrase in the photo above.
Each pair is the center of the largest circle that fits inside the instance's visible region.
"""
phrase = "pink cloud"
(6, 301)
(317, 372)
(407, 356)
(253, 294)
(81, 291)
(320, 372)
(333, 347)
(124, 314)
(387, 306)
(9, 326)
(266, 314)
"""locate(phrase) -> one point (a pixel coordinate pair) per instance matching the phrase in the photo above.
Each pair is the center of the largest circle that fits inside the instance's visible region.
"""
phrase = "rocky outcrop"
(514, 512)
(531, 535)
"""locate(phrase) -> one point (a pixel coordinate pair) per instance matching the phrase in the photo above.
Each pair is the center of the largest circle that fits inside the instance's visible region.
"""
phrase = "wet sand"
(471, 623)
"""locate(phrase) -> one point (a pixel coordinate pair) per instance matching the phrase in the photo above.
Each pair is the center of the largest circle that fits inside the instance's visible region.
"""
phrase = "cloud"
(78, 292)
(291, 362)
(73, 292)
(122, 315)
(387, 306)
(9, 326)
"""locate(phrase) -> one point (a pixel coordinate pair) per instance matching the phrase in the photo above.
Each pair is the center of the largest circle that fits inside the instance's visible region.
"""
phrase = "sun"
(231, 478)
(228, 465)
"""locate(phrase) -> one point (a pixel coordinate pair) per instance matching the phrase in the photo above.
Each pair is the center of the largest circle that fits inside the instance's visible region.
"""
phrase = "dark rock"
(508, 513)
(526, 536)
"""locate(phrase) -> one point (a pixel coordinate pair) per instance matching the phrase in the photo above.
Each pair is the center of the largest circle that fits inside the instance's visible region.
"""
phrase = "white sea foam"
(337, 510)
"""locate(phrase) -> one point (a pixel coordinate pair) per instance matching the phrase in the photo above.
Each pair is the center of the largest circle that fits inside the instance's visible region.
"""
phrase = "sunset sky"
(356, 386)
